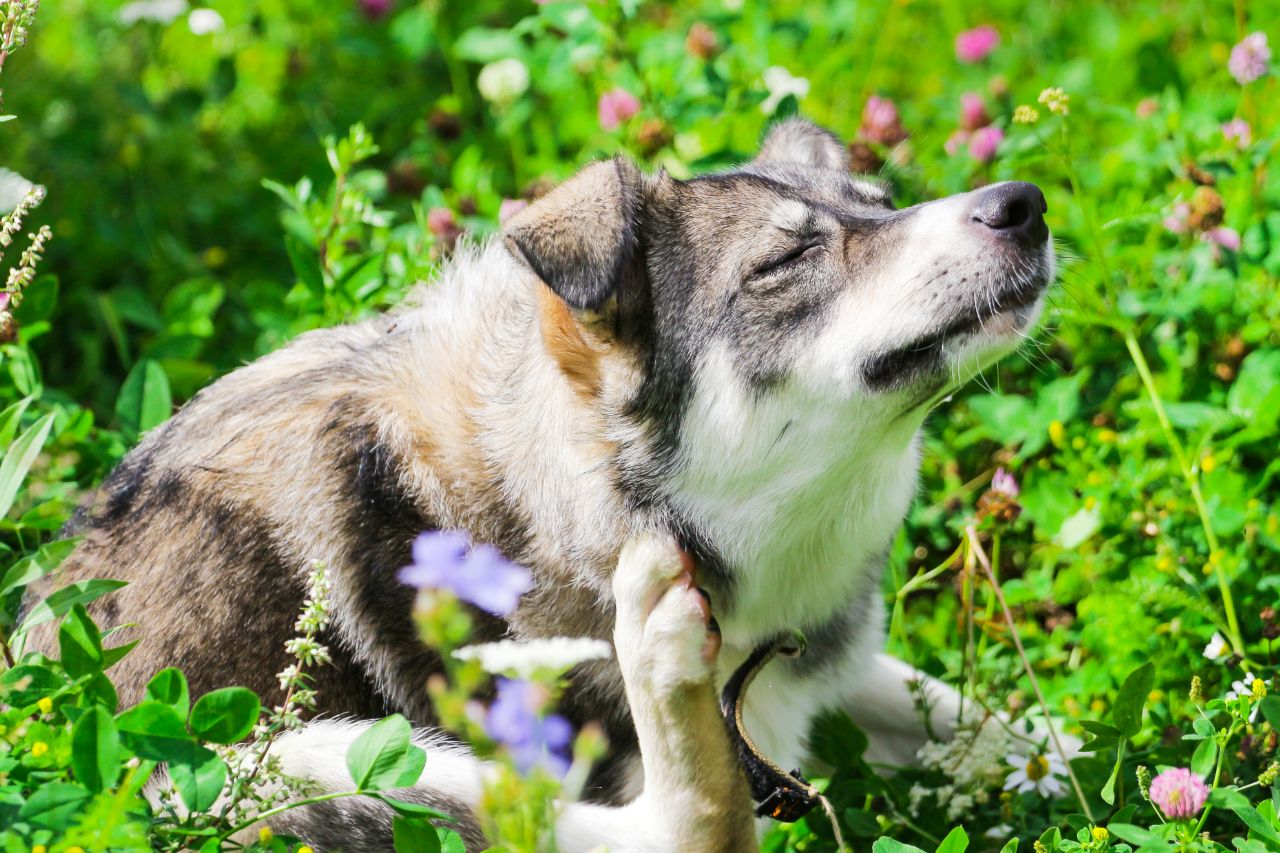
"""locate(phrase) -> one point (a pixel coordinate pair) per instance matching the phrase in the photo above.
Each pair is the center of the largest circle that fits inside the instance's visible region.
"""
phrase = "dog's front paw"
(664, 634)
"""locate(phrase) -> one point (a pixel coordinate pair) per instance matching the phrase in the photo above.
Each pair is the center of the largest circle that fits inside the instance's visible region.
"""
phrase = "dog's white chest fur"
(803, 507)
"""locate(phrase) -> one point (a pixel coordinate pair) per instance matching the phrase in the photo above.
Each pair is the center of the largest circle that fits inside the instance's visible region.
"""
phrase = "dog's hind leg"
(695, 796)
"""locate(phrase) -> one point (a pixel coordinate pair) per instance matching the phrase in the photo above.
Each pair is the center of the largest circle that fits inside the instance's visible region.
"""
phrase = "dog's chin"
(962, 345)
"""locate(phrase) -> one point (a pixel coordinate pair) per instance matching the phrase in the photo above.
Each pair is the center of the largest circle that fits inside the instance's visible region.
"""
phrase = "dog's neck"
(799, 497)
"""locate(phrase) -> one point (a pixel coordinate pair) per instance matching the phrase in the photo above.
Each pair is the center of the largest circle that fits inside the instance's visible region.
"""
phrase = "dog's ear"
(797, 140)
(580, 236)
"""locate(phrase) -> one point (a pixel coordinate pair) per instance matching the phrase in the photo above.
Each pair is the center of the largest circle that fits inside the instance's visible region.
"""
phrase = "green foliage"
(215, 194)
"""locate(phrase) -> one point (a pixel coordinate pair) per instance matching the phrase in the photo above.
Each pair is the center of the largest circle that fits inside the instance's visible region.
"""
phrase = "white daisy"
(1218, 647)
(1245, 689)
(1041, 773)
(545, 658)
(201, 22)
(780, 82)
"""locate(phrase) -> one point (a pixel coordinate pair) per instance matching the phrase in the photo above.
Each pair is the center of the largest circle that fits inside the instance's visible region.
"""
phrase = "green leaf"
(11, 419)
(409, 809)
(1258, 825)
(957, 841)
(305, 262)
(170, 687)
(19, 458)
(450, 841)
(485, 44)
(1204, 727)
(37, 565)
(145, 401)
(1205, 756)
(1099, 729)
(80, 643)
(95, 749)
(198, 774)
(27, 684)
(154, 731)
(1127, 712)
(1010, 846)
(411, 835)
(1108, 792)
(1078, 528)
(1270, 708)
(1134, 834)
(226, 715)
(54, 804)
(890, 845)
(58, 604)
(383, 756)
(1229, 798)
(836, 740)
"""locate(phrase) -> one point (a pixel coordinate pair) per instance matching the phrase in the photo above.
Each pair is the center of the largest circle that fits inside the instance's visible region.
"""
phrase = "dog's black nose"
(1015, 209)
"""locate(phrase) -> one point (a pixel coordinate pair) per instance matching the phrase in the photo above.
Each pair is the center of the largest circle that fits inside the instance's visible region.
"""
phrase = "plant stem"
(972, 536)
(1193, 482)
(269, 813)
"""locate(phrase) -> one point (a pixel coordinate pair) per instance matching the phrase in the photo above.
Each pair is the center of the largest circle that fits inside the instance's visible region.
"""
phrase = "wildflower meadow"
(1094, 548)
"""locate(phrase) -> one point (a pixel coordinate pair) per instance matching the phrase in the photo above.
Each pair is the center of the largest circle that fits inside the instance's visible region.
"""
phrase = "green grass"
(198, 223)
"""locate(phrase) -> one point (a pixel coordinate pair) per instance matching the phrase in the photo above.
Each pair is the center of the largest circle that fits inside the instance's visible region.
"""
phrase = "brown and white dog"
(740, 363)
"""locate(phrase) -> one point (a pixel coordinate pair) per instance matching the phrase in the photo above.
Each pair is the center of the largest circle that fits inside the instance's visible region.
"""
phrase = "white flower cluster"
(973, 761)
(547, 658)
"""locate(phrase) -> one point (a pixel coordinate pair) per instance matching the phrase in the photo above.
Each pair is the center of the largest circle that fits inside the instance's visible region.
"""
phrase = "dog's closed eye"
(800, 252)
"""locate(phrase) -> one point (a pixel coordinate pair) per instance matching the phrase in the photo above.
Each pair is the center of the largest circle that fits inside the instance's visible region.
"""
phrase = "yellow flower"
(39, 848)
(1259, 689)
(304, 849)
(75, 849)
(265, 835)
(1056, 100)
(39, 748)
(1107, 436)
(1100, 833)
(1026, 115)
(1207, 463)
(1057, 432)
(45, 705)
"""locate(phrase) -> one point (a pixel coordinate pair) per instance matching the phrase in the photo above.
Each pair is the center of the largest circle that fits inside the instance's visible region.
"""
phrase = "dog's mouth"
(997, 315)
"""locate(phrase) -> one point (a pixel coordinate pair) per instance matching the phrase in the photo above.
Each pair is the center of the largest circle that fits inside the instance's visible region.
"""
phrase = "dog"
(735, 367)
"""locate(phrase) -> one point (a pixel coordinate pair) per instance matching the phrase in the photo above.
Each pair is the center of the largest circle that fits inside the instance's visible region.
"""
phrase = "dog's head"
(790, 326)
(793, 273)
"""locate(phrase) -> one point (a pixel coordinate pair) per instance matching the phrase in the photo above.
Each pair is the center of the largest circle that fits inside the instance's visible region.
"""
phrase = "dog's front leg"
(695, 797)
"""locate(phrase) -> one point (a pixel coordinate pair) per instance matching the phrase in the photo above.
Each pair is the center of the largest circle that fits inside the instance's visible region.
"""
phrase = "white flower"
(780, 82)
(998, 832)
(1041, 773)
(1218, 647)
(1243, 689)
(159, 11)
(201, 22)
(13, 189)
(503, 81)
(550, 657)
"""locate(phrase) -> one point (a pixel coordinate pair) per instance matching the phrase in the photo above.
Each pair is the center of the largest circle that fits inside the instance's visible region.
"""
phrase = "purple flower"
(1178, 221)
(510, 207)
(480, 575)
(374, 9)
(881, 122)
(532, 740)
(4, 300)
(984, 142)
(615, 107)
(1179, 793)
(956, 142)
(1249, 58)
(976, 44)
(973, 112)
(1238, 131)
(1003, 483)
(1227, 238)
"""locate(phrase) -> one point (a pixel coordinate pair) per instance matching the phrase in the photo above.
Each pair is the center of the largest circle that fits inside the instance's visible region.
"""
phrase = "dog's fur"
(741, 361)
